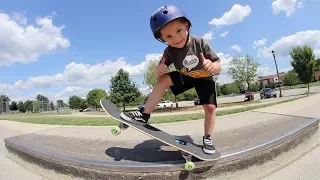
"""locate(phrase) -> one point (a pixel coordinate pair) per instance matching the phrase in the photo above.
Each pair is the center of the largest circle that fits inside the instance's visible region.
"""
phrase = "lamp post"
(275, 62)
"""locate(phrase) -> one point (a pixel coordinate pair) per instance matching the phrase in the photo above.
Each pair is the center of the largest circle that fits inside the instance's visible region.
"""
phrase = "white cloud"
(24, 43)
(70, 91)
(208, 35)
(282, 47)
(266, 70)
(63, 95)
(235, 15)
(79, 74)
(225, 60)
(288, 6)
(19, 18)
(224, 34)
(260, 42)
(236, 48)
(7, 89)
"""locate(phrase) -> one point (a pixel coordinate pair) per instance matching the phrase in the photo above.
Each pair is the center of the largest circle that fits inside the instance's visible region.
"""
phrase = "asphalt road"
(230, 99)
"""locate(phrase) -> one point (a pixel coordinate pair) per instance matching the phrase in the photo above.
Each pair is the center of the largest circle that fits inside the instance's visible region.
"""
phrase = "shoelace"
(136, 113)
(208, 141)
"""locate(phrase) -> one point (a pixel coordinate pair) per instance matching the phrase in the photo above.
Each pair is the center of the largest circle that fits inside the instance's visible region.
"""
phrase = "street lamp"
(275, 62)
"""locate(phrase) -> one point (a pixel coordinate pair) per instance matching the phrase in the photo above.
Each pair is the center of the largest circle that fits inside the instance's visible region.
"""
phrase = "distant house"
(271, 79)
(317, 76)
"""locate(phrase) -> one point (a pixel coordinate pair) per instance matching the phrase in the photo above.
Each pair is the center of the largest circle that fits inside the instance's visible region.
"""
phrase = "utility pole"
(275, 62)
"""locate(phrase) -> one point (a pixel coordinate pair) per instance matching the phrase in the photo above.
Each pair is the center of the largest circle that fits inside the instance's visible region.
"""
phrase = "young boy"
(195, 61)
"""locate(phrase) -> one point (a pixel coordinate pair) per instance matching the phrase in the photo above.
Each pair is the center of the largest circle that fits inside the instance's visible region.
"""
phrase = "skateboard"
(187, 149)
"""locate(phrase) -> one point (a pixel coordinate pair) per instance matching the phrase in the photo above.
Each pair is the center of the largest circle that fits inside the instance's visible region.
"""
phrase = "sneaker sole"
(126, 118)
(208, 151)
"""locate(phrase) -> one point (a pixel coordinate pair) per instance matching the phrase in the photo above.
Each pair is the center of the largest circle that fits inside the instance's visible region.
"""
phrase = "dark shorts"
(205, 87)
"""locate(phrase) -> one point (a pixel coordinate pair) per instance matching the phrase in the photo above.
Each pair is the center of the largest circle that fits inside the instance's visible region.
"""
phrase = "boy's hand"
(207, 64)
(162, 67)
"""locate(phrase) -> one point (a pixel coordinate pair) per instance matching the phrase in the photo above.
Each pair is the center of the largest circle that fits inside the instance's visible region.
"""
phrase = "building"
(271, 79)
(4, 106)
(317, 76)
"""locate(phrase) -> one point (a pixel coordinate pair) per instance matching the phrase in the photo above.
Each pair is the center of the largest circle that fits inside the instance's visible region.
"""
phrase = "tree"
(60, 103)
(28, 105)
(94, 96)
(290, 78)
(4, 98)
(304, 63)
(36, 106)
(84, 104)
(21, 107)
(75, 102)
(243, 69)
(42, 98)
(13, 106)
(52, 106)
(318, 64)
(122, 90)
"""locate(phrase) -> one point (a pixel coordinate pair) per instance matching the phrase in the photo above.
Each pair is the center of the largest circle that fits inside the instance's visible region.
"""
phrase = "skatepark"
(257, 144)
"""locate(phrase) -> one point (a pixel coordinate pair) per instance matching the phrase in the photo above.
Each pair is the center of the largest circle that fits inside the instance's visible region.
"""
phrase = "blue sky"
(61, 48)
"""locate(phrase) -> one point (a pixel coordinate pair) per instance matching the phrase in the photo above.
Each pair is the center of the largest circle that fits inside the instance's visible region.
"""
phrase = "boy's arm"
(210, 54)
(167, 58)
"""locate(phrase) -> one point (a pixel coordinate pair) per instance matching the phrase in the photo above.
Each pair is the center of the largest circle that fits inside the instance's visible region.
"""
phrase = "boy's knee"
(210, 108)
(165, 80)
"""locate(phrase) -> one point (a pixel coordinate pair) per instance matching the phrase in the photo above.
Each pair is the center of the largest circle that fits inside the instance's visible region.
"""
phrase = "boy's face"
(175, 33)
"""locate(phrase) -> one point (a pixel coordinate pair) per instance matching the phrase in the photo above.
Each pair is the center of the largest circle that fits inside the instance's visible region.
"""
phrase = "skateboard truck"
(117, 129)
(189, 165)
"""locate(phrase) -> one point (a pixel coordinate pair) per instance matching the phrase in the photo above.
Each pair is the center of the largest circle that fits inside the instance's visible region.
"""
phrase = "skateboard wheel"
(189, 166)
(115, 131)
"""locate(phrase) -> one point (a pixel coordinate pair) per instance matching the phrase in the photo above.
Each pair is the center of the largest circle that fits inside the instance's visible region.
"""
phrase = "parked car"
(164, 104)
(196, 101)
(141, 105)
(268, 93)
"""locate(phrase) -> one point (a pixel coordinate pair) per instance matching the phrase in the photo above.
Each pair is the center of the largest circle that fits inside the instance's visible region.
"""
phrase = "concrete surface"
(9, 167)
(306, 167)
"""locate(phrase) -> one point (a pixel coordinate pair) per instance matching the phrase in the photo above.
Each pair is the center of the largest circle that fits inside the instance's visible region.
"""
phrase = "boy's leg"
(206, 89)
(177, 83)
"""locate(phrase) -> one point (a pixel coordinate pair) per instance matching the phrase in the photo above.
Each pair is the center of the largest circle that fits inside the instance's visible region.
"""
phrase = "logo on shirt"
(190, 61)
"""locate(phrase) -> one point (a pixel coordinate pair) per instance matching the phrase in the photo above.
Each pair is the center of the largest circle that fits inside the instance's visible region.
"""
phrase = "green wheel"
(189, 166)
(115, 130)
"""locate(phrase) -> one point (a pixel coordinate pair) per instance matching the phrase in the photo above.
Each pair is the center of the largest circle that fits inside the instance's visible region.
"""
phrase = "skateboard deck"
(171, 140)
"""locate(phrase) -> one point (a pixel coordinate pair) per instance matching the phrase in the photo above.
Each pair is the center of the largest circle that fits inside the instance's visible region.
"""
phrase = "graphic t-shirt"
(188, 60)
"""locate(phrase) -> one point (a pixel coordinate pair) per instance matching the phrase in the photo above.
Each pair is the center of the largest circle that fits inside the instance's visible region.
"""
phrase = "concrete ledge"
(299, 131)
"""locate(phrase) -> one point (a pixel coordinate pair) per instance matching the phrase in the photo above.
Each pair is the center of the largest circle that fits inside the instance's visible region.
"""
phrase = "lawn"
(107, 121)
(188, 108)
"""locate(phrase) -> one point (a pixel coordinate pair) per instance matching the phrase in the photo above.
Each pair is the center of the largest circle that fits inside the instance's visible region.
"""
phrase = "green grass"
(297, 86)
(107, 121)
(190, 108)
